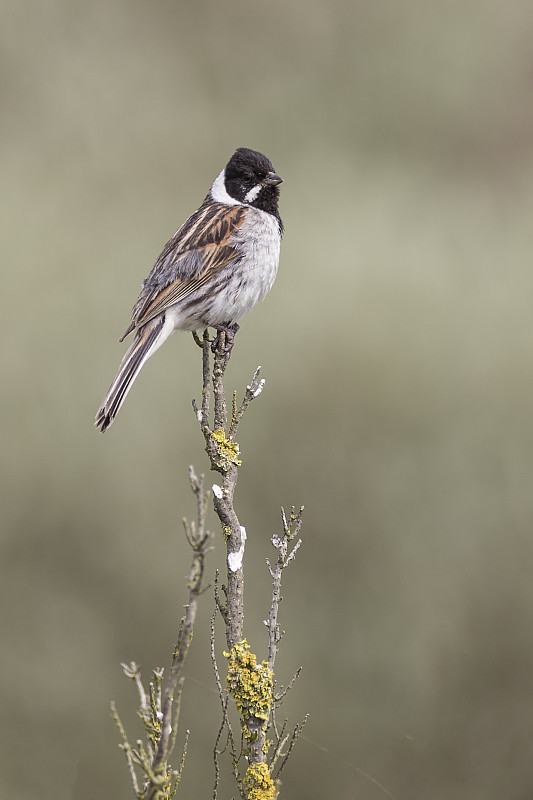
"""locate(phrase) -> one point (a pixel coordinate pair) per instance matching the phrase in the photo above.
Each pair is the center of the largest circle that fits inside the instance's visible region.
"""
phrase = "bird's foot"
(229, 332)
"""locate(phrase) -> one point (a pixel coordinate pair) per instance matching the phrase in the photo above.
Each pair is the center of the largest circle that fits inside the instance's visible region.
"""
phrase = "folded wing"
(198, 250)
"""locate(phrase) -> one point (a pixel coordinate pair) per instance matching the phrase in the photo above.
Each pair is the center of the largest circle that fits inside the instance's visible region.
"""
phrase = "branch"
(159, 710)
(291, 529)
(224, 456)
(198, 538)
(249, 682)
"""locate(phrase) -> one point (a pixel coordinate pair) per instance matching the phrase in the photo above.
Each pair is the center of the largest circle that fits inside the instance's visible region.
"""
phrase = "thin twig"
(294, 738)
(181, 767)
(126, 747)
(280, 696)
(253, 390)
(291, 528)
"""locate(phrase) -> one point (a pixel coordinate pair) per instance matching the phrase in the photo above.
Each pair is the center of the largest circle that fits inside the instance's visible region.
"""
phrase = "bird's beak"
(272, 179)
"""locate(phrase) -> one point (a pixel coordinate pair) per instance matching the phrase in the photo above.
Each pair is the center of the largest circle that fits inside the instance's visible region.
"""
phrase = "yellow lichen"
(227, 450)
(226, 530)
(250, 684)
(259, 784)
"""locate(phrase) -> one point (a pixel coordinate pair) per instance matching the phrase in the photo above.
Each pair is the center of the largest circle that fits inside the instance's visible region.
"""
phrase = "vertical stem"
(219, 367)
(235, 571)
(223, 453)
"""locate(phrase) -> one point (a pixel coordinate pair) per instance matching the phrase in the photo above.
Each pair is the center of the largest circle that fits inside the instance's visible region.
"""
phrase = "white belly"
(259, 240)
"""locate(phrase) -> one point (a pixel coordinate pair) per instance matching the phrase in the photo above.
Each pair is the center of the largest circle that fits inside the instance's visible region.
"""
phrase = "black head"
(250, 178)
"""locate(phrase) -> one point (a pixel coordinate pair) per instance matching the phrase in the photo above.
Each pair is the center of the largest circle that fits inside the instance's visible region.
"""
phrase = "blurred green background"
(397, 350)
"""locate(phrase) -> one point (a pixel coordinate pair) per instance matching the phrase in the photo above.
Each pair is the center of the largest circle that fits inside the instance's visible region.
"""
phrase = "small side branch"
(286, 553)
(293, 739)
(253, 390)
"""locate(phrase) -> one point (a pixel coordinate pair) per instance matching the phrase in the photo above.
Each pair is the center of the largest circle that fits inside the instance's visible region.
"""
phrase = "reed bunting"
(217, 266)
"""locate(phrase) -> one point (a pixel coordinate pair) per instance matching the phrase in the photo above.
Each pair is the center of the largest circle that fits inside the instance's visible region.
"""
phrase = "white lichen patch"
(260, 387)
(235, 558)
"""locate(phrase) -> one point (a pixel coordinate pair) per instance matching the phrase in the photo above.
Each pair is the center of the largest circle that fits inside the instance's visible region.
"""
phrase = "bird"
(218, 265)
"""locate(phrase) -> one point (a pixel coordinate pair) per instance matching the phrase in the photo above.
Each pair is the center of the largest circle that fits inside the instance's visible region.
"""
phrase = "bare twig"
(282, 740)
(280, 696)
(291, 528)
(294, 738)
(125, 745)
(180, 769)
(253, 390)
(225, 724)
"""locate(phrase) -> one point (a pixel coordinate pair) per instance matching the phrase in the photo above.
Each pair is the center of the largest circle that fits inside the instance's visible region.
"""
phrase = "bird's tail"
(147, 341)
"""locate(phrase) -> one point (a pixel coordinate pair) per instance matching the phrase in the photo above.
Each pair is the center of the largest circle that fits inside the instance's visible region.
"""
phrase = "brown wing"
(196, 252)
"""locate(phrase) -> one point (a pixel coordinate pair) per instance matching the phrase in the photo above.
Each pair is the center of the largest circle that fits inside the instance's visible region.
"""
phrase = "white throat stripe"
(252, 194)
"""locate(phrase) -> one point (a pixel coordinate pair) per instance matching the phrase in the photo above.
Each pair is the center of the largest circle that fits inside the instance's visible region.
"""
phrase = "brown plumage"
(196, 252)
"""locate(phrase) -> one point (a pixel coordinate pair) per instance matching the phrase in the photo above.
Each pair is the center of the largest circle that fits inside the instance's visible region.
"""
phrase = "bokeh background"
(397, 348)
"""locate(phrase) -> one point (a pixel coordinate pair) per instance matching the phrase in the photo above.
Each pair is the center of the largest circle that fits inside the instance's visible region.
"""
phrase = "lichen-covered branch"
(158, 707)
(224, 456)
(250, 682)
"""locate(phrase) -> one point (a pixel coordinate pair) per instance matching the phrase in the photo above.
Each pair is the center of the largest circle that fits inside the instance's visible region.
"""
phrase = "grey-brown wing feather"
(196, 252)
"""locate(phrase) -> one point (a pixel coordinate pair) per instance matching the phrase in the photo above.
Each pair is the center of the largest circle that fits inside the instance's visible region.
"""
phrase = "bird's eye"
(247, 179)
